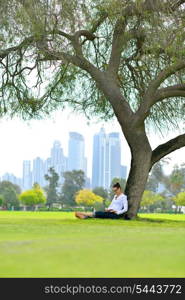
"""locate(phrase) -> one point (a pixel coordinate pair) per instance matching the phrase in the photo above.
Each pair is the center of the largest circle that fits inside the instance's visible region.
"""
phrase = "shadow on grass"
(158, 220)
(138, 220)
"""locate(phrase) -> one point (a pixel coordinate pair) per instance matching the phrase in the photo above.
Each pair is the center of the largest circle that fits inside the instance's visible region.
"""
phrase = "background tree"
(88, 198)
(33, 197)
(1, 200)
(179, 199)
(10, 192)
(149, 198)
(74, 181)
(163, 204)
(40, 192)
(175, 182)
(100, 191)
(157, 176)
(126, 57)
(51, 189)
(9, 184)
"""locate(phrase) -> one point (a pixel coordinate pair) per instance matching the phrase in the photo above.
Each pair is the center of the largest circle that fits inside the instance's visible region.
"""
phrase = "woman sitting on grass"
(116, 209)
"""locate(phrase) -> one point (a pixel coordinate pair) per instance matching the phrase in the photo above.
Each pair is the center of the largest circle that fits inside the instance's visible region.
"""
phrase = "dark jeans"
(106, 215)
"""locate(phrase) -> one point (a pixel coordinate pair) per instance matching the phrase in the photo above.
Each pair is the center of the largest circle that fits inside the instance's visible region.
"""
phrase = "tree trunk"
(133, 129)
(140, 166)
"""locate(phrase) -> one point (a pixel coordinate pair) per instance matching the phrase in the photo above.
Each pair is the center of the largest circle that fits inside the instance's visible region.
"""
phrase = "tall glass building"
(27, 175)
(100, 160)
(106, 158)
(76, 152)
(38, 171)
(57, 160)
(114, 156)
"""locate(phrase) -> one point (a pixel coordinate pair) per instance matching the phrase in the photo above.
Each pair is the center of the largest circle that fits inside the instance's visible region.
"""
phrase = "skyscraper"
(38, 171)
(106, 158)
(27, 175)
(114, 156)
(56, 154)
(58, 161)
(100, 161)
(76, 152)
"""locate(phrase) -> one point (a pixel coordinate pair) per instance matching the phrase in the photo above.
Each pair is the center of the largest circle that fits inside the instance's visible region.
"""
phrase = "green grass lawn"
(56, 244)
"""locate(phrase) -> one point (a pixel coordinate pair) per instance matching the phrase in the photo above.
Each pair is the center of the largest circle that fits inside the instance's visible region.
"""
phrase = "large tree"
(180, 199)
(175, 182)
(51, 189)
(122, 58)
(33, 197)
(74, 181)
(103, 193)
(9, 193)
(88, 198)
(156, 176)
(151, 199)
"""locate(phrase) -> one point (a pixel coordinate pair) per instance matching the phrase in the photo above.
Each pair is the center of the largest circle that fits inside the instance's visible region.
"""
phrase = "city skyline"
(24, 140)
(34, 171)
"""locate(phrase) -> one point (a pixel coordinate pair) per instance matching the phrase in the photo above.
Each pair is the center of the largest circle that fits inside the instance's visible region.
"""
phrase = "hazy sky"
(22, 140)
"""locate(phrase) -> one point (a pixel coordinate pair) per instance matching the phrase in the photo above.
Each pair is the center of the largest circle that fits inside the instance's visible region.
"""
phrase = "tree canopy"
(150, 198)
(1, 199)
(74, 181)
(180, 199)
(100, 191)
(33, 197)
(9, 193)
(175, 182)
(57, 45)
(87, 198)
(51, 189)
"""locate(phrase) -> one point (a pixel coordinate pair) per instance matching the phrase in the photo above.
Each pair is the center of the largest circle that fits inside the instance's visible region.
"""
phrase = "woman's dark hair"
(117, 185)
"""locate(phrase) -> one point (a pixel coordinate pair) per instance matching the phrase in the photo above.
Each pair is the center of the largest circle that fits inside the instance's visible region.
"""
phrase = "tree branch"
(62, 33)
(119, 30)
(163, 75)
(26, 42)
(97, 23)
(177, 90)
(75, 39)
(149, 98)
(180, 87)
(117, 45)
(89, 35)
(166, 148)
